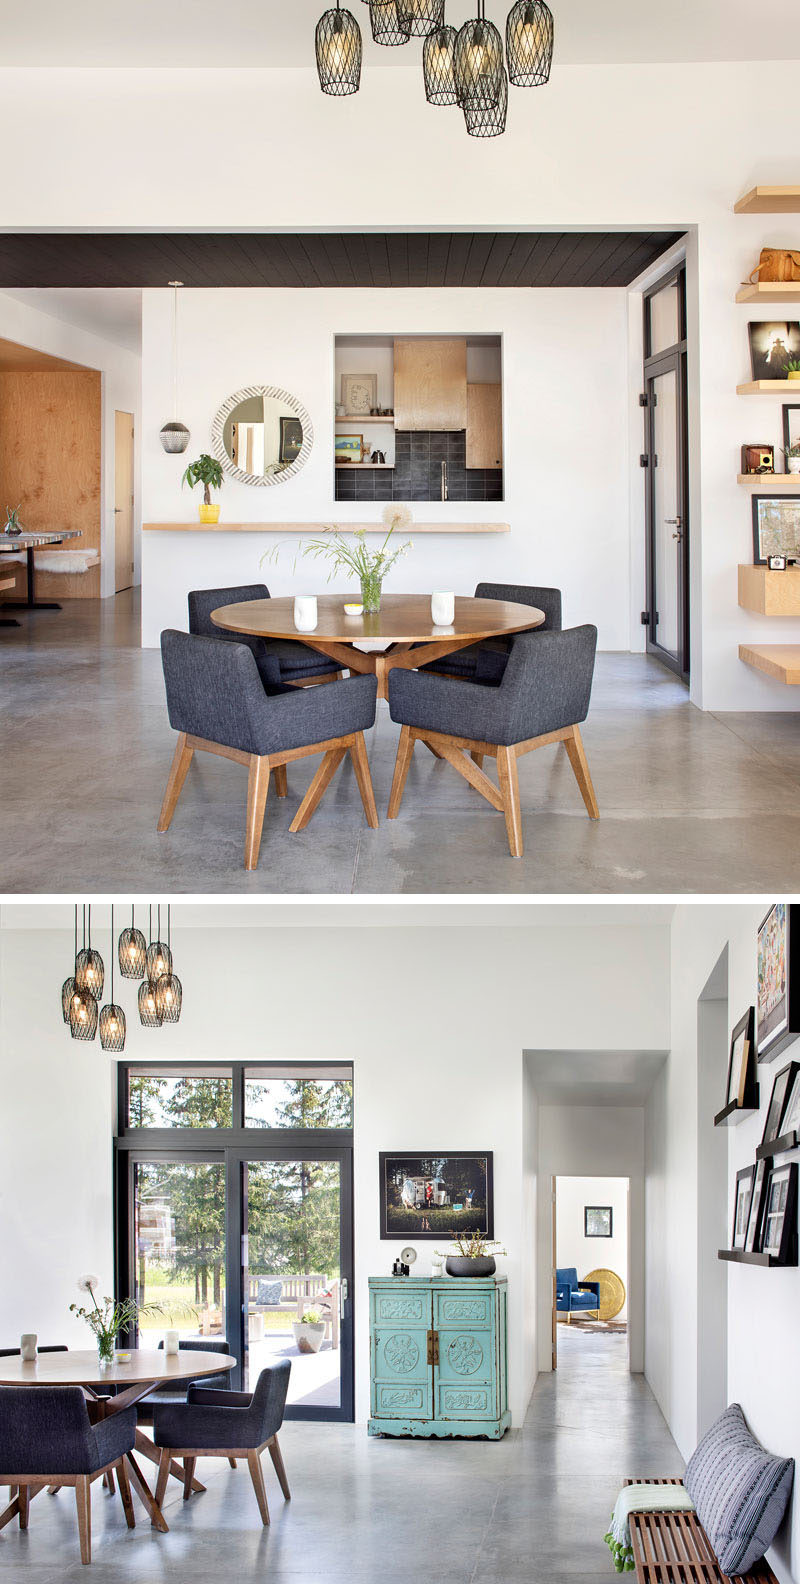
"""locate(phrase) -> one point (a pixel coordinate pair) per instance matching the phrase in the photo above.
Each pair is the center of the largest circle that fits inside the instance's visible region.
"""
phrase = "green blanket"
(640, 1498)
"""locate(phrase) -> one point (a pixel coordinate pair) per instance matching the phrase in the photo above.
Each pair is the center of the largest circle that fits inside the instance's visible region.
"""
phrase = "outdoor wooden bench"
(673, 1548)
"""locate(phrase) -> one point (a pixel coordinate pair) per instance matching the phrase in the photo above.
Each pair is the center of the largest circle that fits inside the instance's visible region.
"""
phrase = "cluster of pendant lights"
(464, 66)
(160, 993)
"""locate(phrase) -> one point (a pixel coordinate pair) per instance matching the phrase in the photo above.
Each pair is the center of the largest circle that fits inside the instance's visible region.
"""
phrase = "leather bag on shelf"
(777, 264)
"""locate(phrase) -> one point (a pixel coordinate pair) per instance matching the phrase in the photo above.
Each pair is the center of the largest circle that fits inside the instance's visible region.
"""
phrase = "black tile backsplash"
(417, 472)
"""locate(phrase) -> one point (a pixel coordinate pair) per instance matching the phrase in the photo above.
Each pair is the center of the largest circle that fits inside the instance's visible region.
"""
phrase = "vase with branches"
(109, 1316)
(369, 566)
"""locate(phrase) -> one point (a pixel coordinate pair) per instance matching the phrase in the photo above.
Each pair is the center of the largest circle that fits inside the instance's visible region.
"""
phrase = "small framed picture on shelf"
(359, 394)
(758, 459)
(790, 1121)
(349, 448)
(741, 1209)
(791, 437)
(772, 345)
(756, 1207)
(598, 1221)
(741, 1061)
(776, 526)
(778, 1005)
(781, 1089)
(779, 1234)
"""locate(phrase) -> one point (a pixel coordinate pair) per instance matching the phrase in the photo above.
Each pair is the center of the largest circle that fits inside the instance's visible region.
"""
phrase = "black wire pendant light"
(339, 50)
(419, 16)
(111, 1021)
(529, 43)
(387, 27)
(82, 1014)
(149, 1015)
(478, 63)
(169, 990)
(159, 956)
(68, 987)
(438, 68)
(132, 951)
(89, 970)
(488, 122)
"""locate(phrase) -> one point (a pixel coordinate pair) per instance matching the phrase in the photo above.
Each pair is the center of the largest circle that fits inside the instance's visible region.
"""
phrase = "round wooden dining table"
(131, 1382)
(403, 628)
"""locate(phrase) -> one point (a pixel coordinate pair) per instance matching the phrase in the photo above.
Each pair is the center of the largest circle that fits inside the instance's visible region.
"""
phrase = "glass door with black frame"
(667, 613)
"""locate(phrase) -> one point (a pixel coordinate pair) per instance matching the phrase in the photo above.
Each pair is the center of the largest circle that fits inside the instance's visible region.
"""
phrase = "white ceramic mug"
(27, 1346)
(443, 609)
(305, 612)
(170, 1342)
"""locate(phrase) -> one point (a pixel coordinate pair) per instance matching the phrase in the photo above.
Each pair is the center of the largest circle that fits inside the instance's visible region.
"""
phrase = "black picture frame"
(742, 1201)
(781, 1089)
(598, 1210)
(291, 438)
(756, 1207)
(741, 1082)
(436, 1215)
(778, 1236)
(790, 407)
(778, 1000)
(776, 526)
(790, 1120)
(772, 343)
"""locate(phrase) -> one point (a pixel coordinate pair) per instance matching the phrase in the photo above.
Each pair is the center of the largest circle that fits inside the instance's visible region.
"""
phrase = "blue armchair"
(574, 1297)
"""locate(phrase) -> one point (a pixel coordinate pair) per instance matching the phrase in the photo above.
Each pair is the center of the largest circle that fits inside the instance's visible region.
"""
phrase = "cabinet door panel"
(465, 1381)
(430, 384)
(401, 1373)
(484, 426)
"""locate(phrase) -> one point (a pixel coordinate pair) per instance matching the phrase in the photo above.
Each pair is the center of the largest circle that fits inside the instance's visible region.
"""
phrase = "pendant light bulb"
(111, 1021)
(338, 50)
(175, 436)
(529, 43)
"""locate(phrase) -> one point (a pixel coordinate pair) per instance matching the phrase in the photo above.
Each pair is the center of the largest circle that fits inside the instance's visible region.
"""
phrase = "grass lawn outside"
(444, 1220)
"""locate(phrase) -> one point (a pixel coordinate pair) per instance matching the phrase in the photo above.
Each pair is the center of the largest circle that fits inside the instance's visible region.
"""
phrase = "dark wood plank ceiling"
(393, 258)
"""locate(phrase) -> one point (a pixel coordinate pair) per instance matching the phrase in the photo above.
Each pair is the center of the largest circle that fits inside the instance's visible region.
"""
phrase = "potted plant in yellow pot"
(793, 369)
(208, 472)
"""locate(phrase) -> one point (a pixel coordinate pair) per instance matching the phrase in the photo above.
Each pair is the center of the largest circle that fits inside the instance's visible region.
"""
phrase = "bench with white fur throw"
(61, 560)
(740, 1493)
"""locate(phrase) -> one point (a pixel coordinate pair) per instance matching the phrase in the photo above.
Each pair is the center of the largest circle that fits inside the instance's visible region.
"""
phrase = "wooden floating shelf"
(741, 1257)
(769, 292)
(782, 387)
(781, 661)
(770, 593)
(318, 528)
(731, 1115)
(365, 418)
(787, 1141)
(769, 200)
(374, 467)
(771, 483)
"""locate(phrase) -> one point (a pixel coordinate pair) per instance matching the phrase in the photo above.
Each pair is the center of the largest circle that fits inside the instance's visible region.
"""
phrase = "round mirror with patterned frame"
(262, 435)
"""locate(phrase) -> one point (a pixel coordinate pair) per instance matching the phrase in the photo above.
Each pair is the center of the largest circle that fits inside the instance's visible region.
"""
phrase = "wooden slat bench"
(673, 1548)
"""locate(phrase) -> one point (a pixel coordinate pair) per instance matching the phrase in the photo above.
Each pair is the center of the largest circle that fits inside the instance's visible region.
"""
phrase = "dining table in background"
(11, 544)
(403, 629)
(148, 1367)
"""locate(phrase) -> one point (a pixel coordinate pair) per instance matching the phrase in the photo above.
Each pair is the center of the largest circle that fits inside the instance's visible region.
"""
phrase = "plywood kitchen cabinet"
(484, 426)
(430, 383)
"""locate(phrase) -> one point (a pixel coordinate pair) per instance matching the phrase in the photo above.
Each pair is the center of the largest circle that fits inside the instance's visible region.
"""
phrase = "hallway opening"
(592, 1266)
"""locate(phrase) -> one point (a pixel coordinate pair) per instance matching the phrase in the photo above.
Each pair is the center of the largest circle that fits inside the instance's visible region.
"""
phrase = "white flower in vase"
(88, 1283)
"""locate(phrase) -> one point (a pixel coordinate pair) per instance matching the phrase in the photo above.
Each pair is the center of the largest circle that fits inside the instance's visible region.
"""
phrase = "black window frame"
(669, 359)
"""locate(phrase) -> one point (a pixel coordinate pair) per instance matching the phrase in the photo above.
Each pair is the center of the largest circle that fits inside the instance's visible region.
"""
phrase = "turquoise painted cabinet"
(438, 1356)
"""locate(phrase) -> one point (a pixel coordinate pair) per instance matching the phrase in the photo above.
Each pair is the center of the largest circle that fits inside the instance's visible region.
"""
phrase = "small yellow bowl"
(352, 609)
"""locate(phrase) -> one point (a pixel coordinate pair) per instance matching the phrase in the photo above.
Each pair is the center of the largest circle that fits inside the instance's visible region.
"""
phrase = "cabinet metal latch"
(433, 1347)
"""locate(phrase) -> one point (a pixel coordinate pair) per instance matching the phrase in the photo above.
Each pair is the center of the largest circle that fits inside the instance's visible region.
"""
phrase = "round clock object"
(408, 1255)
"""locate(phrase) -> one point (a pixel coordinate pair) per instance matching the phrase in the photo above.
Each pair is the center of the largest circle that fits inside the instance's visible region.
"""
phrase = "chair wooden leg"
(164, 1468)
(143, 1491)
(360, 758)
(580, 769)
(509, 786)
(232, 1462)
(83, 1499)
(24, 1505)
(53, 1490)
(431, 749)
(110, 1482)
(477, 758)
(257, 1476)
(321, 781)
(188, 1473)
(277, 1463)
(125, 1494)
(257, 788)
(181, 761)
(405, 753)
(281, 783)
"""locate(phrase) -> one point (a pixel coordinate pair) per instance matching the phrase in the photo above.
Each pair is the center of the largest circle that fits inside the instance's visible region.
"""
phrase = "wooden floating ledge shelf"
(782, 387)
(769, 593)
(771, 483)
(769, 200)
(781, 661)
(318, 528)
(769, 292)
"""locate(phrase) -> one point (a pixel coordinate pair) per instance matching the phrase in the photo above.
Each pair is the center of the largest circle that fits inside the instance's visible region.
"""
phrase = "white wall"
(567, 514)
(573, 1248)
(437, 1066)
(121, 382)
(573, 155)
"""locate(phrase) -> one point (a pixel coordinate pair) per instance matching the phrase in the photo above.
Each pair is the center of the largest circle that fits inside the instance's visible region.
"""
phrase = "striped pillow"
(739, 1490)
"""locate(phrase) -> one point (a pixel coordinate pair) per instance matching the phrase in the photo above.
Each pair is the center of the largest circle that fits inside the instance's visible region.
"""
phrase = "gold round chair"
(612, 1292)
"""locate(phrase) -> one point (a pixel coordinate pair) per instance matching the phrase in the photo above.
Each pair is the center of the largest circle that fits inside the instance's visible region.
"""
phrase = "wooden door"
(430, 383)
(484, 426)
(123, 500)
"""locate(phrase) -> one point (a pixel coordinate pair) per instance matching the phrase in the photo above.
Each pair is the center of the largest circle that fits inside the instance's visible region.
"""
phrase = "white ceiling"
(191, 33)
(594, 1077)
(115, 313)
(353, 914)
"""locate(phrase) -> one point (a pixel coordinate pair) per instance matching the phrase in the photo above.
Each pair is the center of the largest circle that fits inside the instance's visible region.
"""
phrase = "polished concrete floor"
(531, 1507)
(689, 802)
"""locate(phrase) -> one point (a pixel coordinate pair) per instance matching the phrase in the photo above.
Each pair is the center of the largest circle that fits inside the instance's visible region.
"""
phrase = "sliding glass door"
(666, 459)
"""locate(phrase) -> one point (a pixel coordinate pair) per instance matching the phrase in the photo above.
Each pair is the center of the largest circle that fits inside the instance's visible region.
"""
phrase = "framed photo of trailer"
(435, 1196)
(778, 1002)
(776, 527)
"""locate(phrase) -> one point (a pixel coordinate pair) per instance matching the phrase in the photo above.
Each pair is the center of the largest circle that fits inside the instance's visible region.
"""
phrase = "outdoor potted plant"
(474, 1255)
(309, 1331)
(792, 455)
(208, 472)
(793, 369)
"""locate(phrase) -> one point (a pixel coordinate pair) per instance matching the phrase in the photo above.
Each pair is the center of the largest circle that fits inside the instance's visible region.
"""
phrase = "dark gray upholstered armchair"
(177, 1393)
(46, 1438)
(278, 659)
(542, 698)
(486, 661)
(226, 1424)
(217, 702)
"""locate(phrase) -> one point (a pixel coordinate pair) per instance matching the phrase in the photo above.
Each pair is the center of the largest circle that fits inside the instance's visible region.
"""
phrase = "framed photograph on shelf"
(433, 1196)
(741, 1209)
(778, 1006)
(598, 1221)
(348, 448)
(790, 1121)
(741, 1061)
(791, 424)
(772, 344)
(776, 526)
(359, 394)
(779, 1235)
(782, 1087)
(756, 1206)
